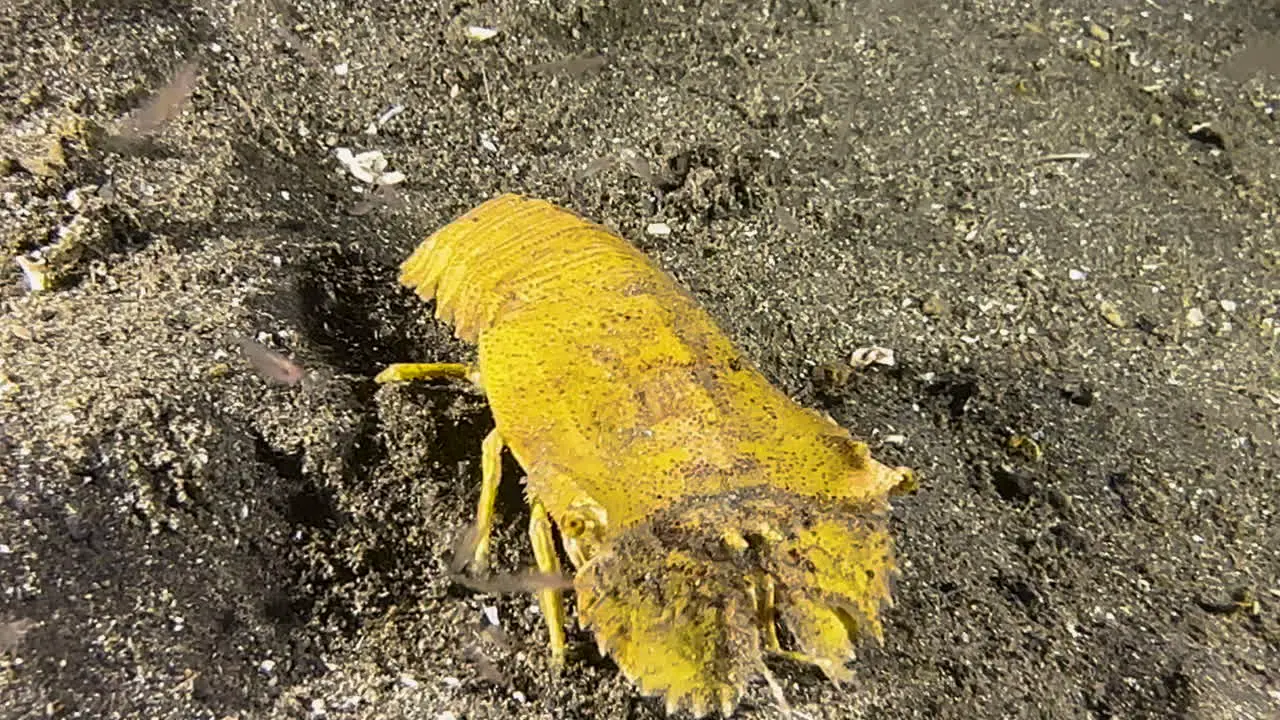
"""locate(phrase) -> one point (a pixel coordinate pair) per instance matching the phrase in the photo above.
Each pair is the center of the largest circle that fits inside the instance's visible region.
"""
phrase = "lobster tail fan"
(510, 251)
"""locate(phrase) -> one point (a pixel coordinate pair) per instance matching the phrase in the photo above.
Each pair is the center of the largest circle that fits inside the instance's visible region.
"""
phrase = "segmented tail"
(514, 250)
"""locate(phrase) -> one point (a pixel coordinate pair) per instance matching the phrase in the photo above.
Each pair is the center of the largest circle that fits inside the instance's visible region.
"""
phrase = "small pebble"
(1111, 313)
(832, 375)
(1077, 275)
(935, 306)
(1228, 305)
(76, 198)
(480, 33)
(658, 229)
(409, 682)
(1195, 317)
(341, 69)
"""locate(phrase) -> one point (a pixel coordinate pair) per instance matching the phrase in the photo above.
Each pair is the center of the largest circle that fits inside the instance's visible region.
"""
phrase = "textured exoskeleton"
(701, 506)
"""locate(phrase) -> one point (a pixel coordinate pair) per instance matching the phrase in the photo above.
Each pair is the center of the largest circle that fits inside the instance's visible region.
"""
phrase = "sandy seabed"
(1061, 217)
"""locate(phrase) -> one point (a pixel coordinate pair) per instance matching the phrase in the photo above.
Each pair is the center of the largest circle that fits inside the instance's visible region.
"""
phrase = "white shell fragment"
(479, 33)
(658, 229)
(34, 273)
(369, 166)
(872, 355)
(77, 198)
(373, 127)
(391, 112)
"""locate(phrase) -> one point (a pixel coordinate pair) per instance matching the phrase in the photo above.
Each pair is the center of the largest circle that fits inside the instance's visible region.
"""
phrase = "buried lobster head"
(687, 602)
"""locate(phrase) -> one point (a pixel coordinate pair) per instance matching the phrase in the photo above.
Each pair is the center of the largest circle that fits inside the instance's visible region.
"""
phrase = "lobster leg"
(549, 599)
(490, 449)
(767, 613)
(401, 372)
(490, 478)
(765, 592)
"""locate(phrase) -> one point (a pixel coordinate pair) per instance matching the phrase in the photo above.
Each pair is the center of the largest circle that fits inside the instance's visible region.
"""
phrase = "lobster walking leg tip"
(559, 656)
(388, 375)
(404, 372)
(479, 562)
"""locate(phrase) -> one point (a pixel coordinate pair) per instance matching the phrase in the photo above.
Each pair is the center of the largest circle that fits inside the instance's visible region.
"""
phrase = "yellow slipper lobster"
(701, 507)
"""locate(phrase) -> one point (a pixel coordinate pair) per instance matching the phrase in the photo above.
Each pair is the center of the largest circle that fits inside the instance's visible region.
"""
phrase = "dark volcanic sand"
(181, 539)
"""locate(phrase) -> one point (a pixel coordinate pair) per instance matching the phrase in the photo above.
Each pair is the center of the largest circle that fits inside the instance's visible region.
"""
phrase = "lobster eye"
(574, 526)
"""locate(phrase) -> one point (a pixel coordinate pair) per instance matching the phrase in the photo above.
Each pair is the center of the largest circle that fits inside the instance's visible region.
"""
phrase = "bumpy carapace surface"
(701, 506)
